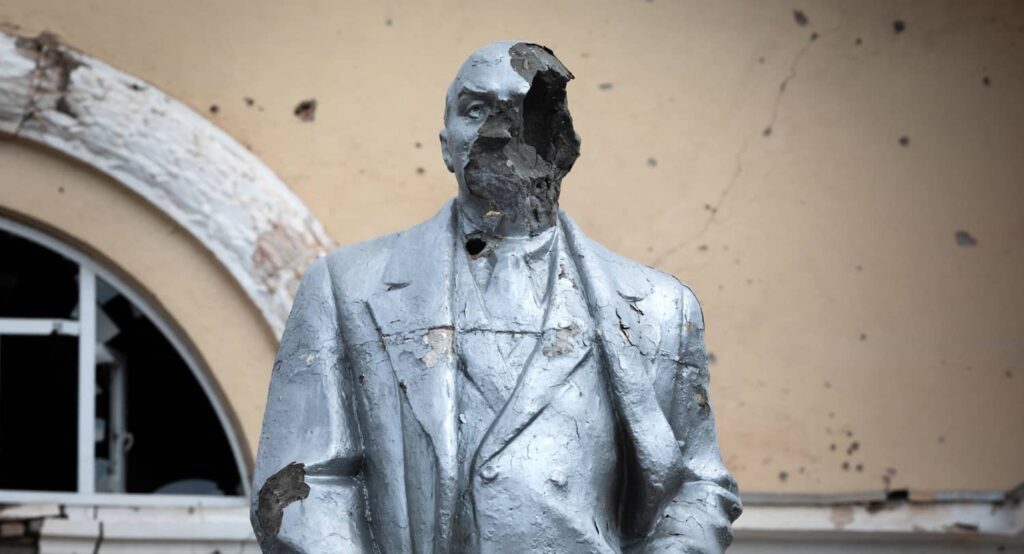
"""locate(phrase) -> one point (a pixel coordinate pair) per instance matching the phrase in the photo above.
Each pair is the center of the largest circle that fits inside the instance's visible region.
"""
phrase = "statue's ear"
(445, 153)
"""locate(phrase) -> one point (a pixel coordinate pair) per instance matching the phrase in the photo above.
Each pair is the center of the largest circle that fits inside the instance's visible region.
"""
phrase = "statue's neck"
(483, 218)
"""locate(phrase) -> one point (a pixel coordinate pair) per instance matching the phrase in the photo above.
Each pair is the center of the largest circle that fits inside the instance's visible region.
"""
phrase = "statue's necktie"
(510, 294)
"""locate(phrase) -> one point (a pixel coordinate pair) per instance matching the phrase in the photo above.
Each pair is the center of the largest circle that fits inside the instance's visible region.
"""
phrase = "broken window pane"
(160, 432)
(38, 412)
(35, 281)
(156, 431)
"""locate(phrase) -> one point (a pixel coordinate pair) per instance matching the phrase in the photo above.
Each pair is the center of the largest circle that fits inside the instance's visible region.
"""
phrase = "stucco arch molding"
(170, 155)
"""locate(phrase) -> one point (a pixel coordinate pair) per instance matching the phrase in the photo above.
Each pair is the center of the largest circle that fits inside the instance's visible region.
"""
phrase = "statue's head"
(508, 135)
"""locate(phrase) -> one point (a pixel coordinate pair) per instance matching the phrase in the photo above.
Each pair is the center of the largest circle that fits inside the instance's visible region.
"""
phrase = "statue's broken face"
(508, 136)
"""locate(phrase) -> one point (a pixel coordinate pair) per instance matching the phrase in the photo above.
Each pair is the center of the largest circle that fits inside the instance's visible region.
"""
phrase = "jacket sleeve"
(699, 519)
(307, 490)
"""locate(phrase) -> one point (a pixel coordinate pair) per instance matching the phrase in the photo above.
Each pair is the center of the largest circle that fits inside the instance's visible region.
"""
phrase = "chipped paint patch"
(562, 343)
(439, 344)
(841, 516)
(281, 489)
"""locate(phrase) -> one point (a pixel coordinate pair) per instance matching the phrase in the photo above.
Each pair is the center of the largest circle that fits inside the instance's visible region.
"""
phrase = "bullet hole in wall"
(214, 108)
(651, 162)
(800, 17)
(963, 238)
(897, 495)
(898, 26)
(306, 110)
(986, 81)
(249, 101)
(904, 141)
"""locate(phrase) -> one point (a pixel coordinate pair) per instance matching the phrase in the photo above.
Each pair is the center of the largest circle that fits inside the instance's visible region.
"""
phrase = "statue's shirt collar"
(521, 264)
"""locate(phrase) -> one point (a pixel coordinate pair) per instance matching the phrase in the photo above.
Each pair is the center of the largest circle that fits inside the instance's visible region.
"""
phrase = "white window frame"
(85, 328)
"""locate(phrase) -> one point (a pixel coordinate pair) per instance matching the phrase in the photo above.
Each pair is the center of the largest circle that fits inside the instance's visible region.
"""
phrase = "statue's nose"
(501, 124)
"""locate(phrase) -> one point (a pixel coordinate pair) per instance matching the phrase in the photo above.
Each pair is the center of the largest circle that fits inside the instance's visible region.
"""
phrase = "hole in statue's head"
(475, 246)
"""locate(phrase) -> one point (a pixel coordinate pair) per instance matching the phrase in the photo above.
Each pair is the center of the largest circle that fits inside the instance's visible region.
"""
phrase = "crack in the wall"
(712, 208)
(738, 166)
(99, 540)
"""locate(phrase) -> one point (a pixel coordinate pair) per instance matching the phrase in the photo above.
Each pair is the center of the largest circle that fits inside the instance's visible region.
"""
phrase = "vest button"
(488, 473)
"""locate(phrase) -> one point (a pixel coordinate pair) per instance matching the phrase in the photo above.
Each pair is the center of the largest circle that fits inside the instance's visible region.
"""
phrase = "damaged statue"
(492, 380)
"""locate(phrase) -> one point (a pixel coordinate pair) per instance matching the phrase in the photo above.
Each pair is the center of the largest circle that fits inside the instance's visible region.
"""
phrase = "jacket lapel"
(613, 290)
(412, 312)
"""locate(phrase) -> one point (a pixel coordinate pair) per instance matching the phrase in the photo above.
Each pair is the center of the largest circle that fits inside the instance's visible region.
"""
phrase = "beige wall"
(840, 307)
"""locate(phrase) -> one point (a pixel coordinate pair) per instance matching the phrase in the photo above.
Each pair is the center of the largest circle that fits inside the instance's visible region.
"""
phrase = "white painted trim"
(926, 527)
(1005, 519)
(38, 326)
(121, 499)
(166, 330)
(86, 380)
(168, 154)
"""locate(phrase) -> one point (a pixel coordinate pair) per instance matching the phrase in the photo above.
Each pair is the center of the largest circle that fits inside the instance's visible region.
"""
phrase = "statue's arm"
(699, 519)
(307, 492)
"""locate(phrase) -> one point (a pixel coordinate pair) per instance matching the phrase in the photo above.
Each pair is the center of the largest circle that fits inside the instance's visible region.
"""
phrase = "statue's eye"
(476, 110)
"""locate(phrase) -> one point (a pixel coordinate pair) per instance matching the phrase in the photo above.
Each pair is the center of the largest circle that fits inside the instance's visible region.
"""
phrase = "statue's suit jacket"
(359, 437)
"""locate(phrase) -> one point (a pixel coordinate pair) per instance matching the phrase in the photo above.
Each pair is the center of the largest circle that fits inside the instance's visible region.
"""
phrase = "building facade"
(840, 185)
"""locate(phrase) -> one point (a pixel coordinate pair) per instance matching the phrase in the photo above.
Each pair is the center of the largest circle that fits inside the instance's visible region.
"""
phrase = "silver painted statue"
(492, 380)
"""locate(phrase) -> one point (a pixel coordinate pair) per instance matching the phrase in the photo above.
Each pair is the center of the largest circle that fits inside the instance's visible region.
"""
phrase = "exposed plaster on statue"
(171, 156)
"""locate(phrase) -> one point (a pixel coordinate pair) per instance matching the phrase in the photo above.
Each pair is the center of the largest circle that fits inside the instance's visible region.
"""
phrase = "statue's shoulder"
(356, 269)
(664, 294)
(626, 270)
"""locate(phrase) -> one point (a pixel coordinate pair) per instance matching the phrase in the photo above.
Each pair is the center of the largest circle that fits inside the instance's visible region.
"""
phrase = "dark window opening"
(174, 442)
(156, 430)
(35, 282)
(39, 413)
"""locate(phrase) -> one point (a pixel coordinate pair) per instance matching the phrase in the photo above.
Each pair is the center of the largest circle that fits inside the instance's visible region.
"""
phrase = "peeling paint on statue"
(484, 382)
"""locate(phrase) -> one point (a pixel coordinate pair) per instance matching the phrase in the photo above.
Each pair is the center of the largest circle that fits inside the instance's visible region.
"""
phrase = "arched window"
(98, 398)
